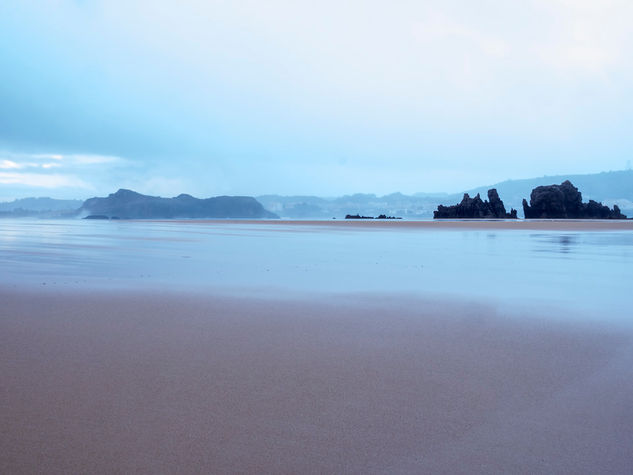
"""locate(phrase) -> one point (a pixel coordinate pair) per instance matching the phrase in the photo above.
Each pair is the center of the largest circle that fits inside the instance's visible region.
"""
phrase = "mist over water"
(588, 273)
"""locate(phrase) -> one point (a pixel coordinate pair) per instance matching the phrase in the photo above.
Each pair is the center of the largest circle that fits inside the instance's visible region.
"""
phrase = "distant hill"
(40, 204)
(39, 207)
(395, 204)
(127, 204)
(609, 188)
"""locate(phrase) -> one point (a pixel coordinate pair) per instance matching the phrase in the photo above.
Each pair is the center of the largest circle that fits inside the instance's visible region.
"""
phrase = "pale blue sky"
(303, 97)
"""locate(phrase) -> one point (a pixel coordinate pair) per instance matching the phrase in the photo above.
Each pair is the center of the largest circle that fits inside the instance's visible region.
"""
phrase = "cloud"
(46, 156)
(487, 88)
(43, 160)
(593, 37)
(80, 172)
(91, 159)
(438, 30)
(9, 164)
(12, 165)
(39, 180)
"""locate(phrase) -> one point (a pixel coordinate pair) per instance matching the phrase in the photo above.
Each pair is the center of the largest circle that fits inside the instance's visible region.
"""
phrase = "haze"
(325, 98)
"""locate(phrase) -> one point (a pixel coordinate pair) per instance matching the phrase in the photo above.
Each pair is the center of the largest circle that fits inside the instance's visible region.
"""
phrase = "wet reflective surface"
(588, 271)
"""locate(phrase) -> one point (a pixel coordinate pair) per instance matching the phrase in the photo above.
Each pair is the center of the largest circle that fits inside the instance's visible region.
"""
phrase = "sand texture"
(158, 383)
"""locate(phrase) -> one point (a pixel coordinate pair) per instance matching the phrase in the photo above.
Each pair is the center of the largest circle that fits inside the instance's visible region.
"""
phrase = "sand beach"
(315, 347)
(157, 383)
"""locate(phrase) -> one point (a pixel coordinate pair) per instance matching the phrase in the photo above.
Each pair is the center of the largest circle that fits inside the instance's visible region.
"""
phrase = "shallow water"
(590, 272)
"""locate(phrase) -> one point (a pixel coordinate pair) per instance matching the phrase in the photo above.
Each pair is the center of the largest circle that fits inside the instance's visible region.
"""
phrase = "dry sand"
(149, 383)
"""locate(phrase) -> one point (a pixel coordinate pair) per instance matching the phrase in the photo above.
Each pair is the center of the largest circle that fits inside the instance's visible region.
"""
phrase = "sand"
(178, 383)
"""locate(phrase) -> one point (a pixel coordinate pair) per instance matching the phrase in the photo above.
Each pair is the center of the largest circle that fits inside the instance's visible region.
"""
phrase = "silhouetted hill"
(127, 204)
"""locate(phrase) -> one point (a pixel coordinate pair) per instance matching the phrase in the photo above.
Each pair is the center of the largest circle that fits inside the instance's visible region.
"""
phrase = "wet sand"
(158, 383)
(440, 224)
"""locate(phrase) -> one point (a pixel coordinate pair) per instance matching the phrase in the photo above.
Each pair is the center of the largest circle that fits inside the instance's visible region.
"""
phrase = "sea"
(571, 274)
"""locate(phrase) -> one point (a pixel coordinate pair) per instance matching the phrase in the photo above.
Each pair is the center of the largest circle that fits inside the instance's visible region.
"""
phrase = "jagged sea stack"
(476, 208)
(564, 201)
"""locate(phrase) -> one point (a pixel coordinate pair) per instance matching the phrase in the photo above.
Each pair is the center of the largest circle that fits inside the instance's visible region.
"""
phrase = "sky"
(302, 97)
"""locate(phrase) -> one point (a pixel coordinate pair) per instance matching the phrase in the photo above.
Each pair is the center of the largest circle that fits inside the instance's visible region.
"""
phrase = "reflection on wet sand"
(587, 270)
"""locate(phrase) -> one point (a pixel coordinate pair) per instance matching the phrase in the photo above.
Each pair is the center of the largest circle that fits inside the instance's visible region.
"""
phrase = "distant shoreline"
(465, 224)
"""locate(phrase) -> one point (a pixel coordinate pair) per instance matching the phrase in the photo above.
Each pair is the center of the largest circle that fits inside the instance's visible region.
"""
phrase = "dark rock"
(476, 208)
(127, 204)
(96, 216)
(358, 216)
(564, 201)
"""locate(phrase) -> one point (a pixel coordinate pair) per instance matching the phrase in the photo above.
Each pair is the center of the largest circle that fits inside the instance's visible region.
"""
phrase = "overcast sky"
(309, 97)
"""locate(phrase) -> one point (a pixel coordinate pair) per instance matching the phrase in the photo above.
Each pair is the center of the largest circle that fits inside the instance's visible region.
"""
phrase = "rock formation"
(476, 208)
(127, 204)
(564, 201)
(358, 216)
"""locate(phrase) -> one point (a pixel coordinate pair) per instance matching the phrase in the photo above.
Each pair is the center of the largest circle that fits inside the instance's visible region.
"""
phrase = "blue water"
(590, 272)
